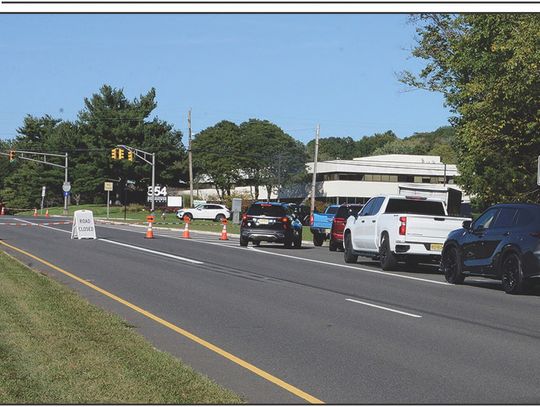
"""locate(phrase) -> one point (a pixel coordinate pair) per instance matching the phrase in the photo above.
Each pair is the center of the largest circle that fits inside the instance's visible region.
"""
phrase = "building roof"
(388, 164)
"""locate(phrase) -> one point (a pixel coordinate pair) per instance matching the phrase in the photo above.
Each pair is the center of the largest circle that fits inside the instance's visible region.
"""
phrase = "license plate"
(436, 246)
(263, 221)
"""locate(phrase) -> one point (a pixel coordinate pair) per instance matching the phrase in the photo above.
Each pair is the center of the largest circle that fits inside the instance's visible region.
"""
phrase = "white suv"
(206, 211)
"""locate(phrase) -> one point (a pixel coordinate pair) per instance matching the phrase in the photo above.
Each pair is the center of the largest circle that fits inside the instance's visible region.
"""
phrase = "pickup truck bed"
(322, 224)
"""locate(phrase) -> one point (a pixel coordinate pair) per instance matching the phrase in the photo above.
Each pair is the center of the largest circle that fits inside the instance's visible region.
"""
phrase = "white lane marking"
(172, 256)
(384, 308)
(278, 254)
(142, 249)
(351, 267)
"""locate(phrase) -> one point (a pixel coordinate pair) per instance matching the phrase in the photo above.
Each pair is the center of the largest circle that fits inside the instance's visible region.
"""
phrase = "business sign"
(174, 201)
(83, 225)
(160, 194)
(108, 186)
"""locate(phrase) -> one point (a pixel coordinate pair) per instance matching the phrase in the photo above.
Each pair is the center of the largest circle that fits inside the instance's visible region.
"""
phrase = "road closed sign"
(83, 225)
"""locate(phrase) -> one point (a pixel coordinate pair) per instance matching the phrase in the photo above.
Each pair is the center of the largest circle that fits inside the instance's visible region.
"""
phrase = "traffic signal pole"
(149, 158)
(42, 159)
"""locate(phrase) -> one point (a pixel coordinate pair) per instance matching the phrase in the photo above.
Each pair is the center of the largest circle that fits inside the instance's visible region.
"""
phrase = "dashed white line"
(384, 308)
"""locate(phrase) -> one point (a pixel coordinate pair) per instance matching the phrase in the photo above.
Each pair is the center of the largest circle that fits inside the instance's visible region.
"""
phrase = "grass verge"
(56, 348)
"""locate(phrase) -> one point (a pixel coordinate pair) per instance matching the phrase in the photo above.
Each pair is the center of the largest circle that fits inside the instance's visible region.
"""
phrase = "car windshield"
(414, 206)
(267, 210)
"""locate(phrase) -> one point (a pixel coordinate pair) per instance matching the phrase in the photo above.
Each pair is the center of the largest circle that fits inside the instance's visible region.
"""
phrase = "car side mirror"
(467, 224)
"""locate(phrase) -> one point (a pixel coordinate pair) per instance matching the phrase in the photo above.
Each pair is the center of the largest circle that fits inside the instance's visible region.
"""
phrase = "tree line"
(486, 66)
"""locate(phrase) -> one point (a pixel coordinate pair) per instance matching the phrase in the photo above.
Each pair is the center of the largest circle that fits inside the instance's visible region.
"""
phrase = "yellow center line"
(183, 332)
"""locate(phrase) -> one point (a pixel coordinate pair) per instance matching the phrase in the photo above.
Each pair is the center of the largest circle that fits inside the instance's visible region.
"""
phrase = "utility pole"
(190, 160)
(66, 193)
(312, 209)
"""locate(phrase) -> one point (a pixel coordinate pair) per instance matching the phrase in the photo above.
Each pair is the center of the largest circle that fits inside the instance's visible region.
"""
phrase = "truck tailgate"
(430, 229)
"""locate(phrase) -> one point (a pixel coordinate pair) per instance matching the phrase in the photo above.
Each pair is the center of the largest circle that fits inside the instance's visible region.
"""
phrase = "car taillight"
(403, 226)
(311, 220)
(284, 220)
(339, 220)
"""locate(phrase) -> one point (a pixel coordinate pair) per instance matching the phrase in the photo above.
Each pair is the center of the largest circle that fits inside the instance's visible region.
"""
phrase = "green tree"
(216, 151)
(332, 148)
(367, 145)
(487, 65)
(270, 157)
(110, 119)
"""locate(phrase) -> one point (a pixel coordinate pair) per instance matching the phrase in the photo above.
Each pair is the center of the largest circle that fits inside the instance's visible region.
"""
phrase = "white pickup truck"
(395, 228)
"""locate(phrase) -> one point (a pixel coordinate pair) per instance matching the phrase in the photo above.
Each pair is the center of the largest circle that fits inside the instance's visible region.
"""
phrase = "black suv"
(502, 243)
(270, 222)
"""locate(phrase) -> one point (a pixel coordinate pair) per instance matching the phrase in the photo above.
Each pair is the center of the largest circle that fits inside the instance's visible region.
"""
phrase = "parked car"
(338, 224)
(270, 222)
(394, 228)
(502, 243)
(321, 224)
(205, 211)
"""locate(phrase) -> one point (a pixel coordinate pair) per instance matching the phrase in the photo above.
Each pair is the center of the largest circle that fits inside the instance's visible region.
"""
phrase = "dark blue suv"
(502, 243)
(271, 222)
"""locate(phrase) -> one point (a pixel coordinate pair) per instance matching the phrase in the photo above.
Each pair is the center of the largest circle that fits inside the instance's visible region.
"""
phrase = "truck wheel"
(387, 258)
(318, 239)
(451, 266)
(332, 245)
(348, 254)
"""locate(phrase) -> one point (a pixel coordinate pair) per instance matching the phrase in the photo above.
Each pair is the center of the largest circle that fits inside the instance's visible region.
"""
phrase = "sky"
(296, 70)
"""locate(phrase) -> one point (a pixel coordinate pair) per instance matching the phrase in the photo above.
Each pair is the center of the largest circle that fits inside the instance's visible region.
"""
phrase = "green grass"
(56, 348)
(136, 215)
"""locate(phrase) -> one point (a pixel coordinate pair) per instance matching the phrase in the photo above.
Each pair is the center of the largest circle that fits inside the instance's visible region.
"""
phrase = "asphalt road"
(304, 325)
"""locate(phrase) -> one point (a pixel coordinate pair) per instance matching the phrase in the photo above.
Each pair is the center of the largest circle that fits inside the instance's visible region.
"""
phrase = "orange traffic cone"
(224, 232)
(47, 213)
(186, 229)
(35, 211)
(149, 232)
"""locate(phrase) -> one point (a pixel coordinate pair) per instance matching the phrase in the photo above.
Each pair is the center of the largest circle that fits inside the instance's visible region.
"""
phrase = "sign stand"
(83, 225)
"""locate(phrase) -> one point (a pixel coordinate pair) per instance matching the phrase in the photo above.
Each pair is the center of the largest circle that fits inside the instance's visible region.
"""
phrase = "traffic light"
(114, 153)
(11, 155)
(120, 153)
(130, 155)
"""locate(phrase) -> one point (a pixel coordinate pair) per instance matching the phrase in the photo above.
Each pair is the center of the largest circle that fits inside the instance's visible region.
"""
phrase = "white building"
(357, 180)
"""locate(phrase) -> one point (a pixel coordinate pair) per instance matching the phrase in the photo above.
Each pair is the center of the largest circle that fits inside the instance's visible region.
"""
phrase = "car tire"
(298, 241)
(332, 245)
(318, 239)
(348, 254)
(451, 266)
(386, 257)
(243, 241)
(512, 275)
(288, 243)
(219, 217)
(257, 243)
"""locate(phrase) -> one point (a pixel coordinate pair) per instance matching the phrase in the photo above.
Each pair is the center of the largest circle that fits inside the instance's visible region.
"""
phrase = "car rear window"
(332, 209)
(346, 211)
(267, 210)
(416, 207)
